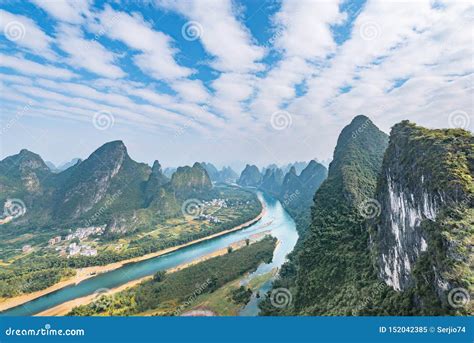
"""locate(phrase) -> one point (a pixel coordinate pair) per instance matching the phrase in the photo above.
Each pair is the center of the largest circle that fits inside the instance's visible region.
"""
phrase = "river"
(282, 226)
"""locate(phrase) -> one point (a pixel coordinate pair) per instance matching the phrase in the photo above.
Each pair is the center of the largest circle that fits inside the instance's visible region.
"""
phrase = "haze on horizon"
(227, 82)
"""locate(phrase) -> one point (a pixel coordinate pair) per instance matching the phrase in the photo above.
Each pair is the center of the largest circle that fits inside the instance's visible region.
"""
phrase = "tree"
(159, 276)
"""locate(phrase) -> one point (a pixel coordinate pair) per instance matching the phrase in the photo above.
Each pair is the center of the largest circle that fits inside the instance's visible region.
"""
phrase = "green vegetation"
(334, 267)
(27, 280)
(241, 295)
(220, 302)
(178, 291)
(155, 234)
(333, 270)
(138, 207)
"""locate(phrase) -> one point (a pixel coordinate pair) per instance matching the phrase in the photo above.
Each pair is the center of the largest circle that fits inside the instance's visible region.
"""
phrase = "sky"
(229, 82)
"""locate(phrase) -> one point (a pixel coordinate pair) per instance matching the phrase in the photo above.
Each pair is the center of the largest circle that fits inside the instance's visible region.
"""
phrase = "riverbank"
(66, 307)
(90, 272)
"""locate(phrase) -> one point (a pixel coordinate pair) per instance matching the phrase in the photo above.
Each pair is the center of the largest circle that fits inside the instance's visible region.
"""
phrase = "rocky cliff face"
(250, 176)
(426, 174)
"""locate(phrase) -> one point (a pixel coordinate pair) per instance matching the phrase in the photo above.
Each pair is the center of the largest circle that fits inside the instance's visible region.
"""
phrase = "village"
(214, 203)
(71, 245)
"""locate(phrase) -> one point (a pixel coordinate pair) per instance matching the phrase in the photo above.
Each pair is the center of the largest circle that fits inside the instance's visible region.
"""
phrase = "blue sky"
(231, 82)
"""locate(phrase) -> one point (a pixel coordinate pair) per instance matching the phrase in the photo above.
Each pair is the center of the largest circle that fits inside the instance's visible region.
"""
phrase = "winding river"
(281, 226)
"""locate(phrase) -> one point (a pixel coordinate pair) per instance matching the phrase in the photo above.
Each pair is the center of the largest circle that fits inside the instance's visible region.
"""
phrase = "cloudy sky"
(226, 81)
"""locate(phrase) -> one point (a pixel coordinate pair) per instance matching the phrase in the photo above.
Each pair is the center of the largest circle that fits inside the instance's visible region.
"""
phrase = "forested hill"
(391, 227)
(334, 263)
(108, 181)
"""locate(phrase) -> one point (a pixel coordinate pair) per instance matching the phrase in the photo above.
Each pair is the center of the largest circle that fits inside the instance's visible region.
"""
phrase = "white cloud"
(232, 47)
(27, 67)
(303, 35)
(415, 41)
(223, 36)
(25, 33)
(155, 52)
(303, 28)
(87, 54)
(191, 90)
(70, 11)
(429, 47)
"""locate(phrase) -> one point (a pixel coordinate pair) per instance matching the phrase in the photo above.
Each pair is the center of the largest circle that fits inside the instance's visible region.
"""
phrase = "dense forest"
(346, 262)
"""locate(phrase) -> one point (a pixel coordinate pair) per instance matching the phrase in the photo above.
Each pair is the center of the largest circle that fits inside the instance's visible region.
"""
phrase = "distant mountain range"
(295, 188)
(226, 174)
(62, 167)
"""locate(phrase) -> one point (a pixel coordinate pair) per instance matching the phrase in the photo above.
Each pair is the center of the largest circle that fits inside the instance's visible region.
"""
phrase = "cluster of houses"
(221, 203)
(84, 232)
(208, 217)
(74, 248)
(84, 250)
(216, 202)
(81, 233)
(54, 240)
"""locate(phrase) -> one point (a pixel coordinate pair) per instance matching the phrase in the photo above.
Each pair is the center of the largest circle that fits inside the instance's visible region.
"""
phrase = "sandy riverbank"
(66, 307)
(89, 272)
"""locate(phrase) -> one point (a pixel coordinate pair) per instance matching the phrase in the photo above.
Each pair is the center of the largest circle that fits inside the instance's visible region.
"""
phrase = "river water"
(281, 226)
